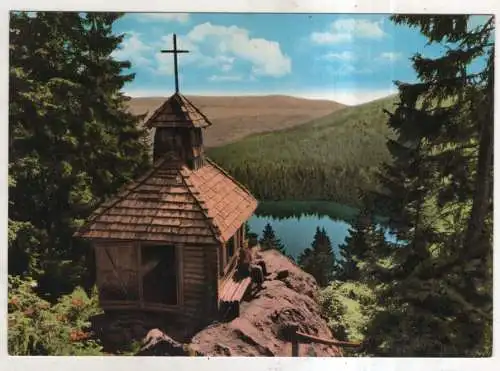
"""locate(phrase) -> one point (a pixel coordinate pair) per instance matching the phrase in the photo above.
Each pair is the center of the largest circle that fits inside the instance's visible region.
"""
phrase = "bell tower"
(178, 126)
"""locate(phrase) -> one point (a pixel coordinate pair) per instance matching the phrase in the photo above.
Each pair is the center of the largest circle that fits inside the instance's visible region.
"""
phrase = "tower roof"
(173, 204)
(178, 111)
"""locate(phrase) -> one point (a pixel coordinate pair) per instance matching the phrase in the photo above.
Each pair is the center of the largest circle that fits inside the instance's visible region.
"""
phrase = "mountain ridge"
(236, 117)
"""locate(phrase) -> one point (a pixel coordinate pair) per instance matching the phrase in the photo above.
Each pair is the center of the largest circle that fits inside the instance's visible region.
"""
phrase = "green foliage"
(435, 288)
(332, 158)
(348, 307)
(35, 327)
(431, 294)
(319, 260)
(66, 116)
(269, 240)
(359, 254)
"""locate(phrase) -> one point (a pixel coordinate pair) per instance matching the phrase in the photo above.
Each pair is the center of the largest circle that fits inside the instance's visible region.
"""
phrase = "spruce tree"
(357, 261)
(436, 298)
(319, 260)
(269, 240)
(71, 141)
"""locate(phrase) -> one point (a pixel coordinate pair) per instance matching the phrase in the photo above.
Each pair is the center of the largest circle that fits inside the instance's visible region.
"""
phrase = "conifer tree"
(319, 260)
(436, 298)
(269, 240)
(357, 260)
(71, 142)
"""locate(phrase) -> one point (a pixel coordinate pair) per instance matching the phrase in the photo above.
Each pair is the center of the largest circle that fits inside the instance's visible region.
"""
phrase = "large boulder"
(285, 299)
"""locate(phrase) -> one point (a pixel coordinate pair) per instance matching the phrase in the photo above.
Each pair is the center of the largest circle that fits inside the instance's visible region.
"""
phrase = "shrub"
(347, 306)
(35, 327)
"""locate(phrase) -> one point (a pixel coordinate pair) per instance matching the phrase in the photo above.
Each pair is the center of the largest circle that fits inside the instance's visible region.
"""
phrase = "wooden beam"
(230, 266)
(310, 338)
(295, 347)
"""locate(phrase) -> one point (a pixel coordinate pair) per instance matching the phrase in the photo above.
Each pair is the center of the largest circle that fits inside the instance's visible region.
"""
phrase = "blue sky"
(351, 58)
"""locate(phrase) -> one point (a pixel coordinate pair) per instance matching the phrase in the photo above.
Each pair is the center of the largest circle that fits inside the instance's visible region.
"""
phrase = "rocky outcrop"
(285, 299)
(157, 343)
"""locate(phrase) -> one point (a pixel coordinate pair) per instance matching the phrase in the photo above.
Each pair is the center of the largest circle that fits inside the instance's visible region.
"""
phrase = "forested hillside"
(331, 158)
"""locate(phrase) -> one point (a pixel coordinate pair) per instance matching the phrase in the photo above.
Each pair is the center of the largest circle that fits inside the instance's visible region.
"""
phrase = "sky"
(349, 58)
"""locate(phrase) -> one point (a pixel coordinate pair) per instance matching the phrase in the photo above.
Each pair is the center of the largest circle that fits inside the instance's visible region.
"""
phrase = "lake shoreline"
(295, 222)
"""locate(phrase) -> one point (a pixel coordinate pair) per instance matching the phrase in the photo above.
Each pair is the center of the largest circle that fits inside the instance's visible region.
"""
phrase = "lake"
(295, 222)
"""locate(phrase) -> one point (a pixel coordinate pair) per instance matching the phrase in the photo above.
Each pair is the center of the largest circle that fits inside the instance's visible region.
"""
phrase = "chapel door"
(159, 274)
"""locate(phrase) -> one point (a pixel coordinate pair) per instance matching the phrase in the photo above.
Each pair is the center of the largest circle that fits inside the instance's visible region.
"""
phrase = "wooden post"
(291, 335)
(295, 347)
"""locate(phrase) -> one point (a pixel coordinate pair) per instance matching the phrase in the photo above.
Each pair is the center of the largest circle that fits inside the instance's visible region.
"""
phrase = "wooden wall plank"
(211, 265)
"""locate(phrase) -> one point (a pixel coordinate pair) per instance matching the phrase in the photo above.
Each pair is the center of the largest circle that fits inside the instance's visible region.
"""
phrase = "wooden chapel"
(169, 241)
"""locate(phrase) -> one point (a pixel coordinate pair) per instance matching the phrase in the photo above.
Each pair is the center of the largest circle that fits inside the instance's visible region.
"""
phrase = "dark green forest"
(333, 158)
(71, 145)
(422, 159)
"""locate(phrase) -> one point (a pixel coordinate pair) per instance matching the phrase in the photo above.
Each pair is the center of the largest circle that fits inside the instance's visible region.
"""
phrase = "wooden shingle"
(178, 111)
(203, 207)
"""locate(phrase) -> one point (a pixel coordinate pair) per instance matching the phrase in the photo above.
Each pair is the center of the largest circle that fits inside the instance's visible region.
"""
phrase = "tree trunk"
(482, 189)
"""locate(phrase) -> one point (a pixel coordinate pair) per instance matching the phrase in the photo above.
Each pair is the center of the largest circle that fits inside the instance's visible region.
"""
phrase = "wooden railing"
(296, 337)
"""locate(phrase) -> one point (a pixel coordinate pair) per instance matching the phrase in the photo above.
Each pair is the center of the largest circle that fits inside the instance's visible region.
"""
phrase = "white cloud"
(359, 27)
(227, 63)
(345, 30)
(345, 56)
(347, 69)
(226, 59)
(216, 78)
(164, 17)
(264, 55)
(221, 47)
(390, 56)
(133, 49)
(226, 67)
(165, 61)
(330, 38)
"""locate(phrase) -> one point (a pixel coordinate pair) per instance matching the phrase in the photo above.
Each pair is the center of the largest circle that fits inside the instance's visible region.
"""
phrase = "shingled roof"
(178, 111)
(174, 204)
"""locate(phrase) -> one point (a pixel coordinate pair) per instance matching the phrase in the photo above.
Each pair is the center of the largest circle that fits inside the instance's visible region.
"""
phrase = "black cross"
(175, 51)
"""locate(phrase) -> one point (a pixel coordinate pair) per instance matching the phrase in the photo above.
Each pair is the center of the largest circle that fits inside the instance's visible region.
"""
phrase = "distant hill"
(236, 117)
(329, 158)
